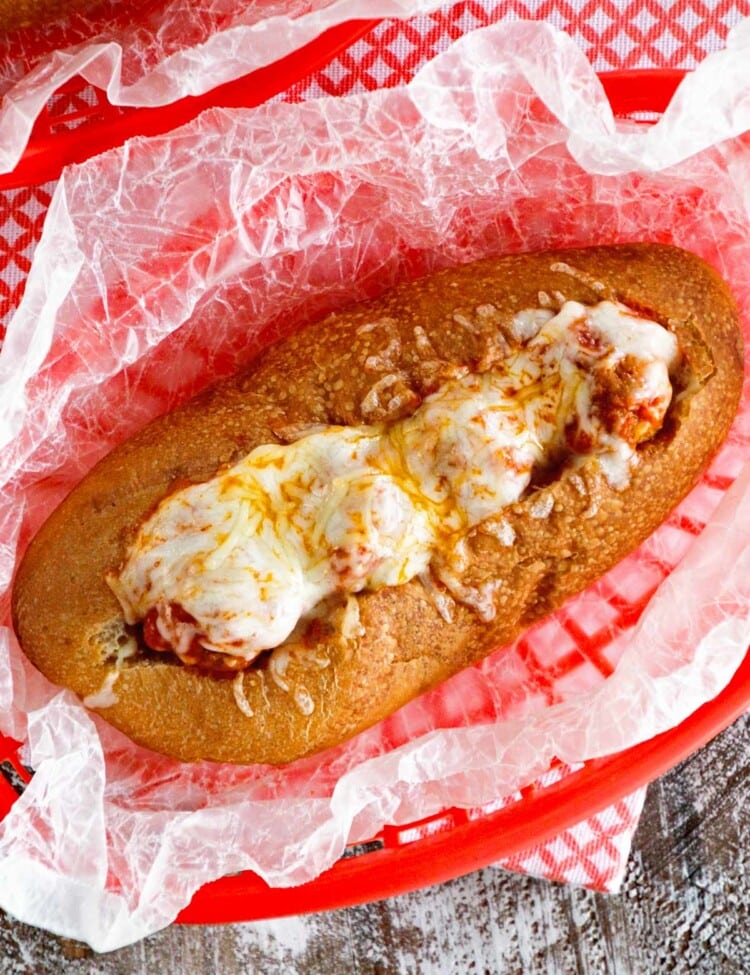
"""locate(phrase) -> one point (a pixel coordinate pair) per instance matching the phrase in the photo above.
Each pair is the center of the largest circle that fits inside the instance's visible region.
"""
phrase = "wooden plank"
(684, 907)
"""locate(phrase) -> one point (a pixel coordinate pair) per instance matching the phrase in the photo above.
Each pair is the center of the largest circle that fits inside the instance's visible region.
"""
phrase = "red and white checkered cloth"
(614, 34)
(594, 853)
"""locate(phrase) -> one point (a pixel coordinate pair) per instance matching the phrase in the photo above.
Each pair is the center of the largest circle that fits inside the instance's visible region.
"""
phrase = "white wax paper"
(168, 262)
(155, 53)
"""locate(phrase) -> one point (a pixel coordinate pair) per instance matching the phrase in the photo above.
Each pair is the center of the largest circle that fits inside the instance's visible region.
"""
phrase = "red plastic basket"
(457, 841)
(71, 129)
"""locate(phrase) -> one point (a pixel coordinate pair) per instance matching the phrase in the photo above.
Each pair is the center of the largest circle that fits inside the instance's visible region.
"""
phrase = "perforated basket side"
(13, 775)
(79, 122)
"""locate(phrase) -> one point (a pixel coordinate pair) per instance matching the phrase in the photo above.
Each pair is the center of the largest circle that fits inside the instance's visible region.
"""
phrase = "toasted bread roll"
(362, 647)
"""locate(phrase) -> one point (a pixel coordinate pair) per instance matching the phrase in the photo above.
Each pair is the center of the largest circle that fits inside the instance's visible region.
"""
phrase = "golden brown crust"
(417, 333)
(32, 13)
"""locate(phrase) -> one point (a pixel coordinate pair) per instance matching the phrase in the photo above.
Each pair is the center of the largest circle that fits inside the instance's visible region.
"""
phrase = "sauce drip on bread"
(225, 570)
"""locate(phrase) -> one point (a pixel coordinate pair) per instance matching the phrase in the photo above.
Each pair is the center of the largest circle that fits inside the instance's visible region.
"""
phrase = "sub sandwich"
(381, 500)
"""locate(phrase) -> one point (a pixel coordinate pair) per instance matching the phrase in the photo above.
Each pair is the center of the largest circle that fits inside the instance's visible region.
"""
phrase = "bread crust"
(16, 14)
(64, 612)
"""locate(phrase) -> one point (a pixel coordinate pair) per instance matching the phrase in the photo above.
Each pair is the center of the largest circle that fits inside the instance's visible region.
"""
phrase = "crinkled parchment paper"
(164, 50)
(171, 261)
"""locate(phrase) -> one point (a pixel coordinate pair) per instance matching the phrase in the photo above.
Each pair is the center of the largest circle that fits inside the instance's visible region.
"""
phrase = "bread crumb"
(105, 696)
(239, 695)
(527, 323)
(561, 267)
(277, 665)
(351, 625)
(378, 323)
(424, 346)
(303, 701)
(386, 359)
(461, 319)
(439, 599)
(389, 398)
(500, 529)
(578, 483)
(290, 432)
(542, 505)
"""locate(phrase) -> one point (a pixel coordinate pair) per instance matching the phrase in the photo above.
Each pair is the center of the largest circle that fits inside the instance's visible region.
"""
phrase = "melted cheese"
(253, 551)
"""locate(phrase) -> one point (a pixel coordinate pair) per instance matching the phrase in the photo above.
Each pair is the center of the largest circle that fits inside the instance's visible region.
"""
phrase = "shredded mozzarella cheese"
(105, 697)
(240, 698)
(249, 554)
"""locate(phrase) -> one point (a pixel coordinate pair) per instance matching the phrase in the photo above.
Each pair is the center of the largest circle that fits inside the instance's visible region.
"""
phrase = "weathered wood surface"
(685, 907)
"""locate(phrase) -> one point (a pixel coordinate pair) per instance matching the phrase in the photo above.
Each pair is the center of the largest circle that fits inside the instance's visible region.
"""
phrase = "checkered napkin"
(613, 34)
